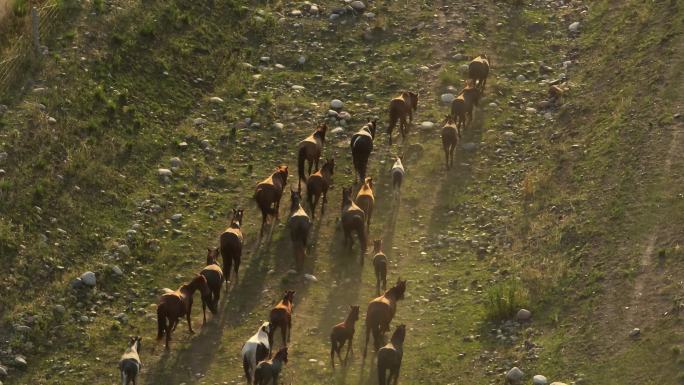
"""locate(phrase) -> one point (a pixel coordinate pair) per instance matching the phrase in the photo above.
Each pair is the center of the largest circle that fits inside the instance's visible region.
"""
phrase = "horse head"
(346, 196)
(212, 256)
(354, 312)
(329, 165)
(399, 289)
(414, 100)
(289, 296)
(281, 355)
(134, 343)
(282, 172)
(368, 182)
(399, 335)
(237, 218)
(377, 246)
(372, 126)
(266, 328)
(296, 198)
(320, 131)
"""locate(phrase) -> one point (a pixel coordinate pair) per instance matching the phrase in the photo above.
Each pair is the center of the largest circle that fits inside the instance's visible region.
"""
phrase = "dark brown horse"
(281, 317)
(353, 219)
(175, 304)
(341, 333)
(267, 372)
(300, 225)
(230, 246)
(380, 313)
(268, 194)
(389, 358)
(361, 147)
(310, 150)
(214, 276)
(318, 184)
(366, 200)
(462, 106)
(400, 107)
(450, 138)
(478, 71)
(380, 266)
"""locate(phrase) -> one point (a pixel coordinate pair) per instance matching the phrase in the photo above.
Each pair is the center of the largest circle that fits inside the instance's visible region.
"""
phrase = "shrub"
(504, 300)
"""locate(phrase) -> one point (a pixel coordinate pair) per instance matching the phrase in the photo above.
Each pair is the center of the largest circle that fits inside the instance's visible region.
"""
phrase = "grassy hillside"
(571, 212)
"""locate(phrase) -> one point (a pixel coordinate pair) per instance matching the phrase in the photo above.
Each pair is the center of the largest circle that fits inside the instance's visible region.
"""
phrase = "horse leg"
(453, 148)
(283, 334)
(263, 223)
(236, 269)
(311, 163)
(365, 345)
(446, 155)
(289, 327)
(332, 351)
(315, 203)
(187, 316)
(204, 312)
(377, 334)
(349, 348)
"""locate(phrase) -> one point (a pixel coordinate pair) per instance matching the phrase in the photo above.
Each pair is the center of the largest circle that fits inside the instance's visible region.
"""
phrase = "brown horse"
(380, 313)
(341, 333)
(462, 106)
(318, 184)
(268, 193)
(214, 275)
(310, 149)
(300, 225)
(267, 372)
(400, 107)
(380, 266)
(478, 70)
(450, 138)
(281, 317)
(175, 304)
(230, 244)
(353, 219)
(365, 199)
(389, 357)
(362, 146)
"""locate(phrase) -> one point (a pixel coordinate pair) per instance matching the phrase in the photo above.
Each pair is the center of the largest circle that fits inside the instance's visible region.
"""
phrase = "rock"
(296, 13)
(334, 16)
(175, 162)
(336, 104)
(3, 156)
(677, 116)
(358, 5)
(459, 57)
(59, 309)
(558, 383)
(636, 332)
(199, 121)
(20, 361)
(52, 120)
(369, 15)
(22, 328)
(123, 250)
(313, 9)
(521, 78)
(88, 278)
(427, 125)
(264, 59)
(216, 99)
(463, 68)
(493, 105)
(176, 217)
(523, 315)
(515, 375)
(574, 27)
(117, 270)
(278, 126)
(469, 146)
(344, 115)
(297, 87)
(544, 104)
(164, 172)
(447, 98)
(531, 110)
(539, 380)
(301, 60)
(77, 283)
(3, 371)
(183, 145)
(204, 144)
(333, 113)
(337, 130)
(311, 278)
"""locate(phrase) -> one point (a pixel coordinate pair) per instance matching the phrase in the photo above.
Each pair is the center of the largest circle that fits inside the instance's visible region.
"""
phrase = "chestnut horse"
(353, 219)
(214, 275)
(268, 194)
(281, 317)
(462, 106)
(389, 357)
(318, 184)
(175, 304)
(361, 147)
(130, 364)
(267, 372)
(380, 266)
(230, 244)
(341, 333)
(299, 224)
(380, 313)
(450, 138)
(365, 199)
(478, 70)
(400, 107)
(310, 149)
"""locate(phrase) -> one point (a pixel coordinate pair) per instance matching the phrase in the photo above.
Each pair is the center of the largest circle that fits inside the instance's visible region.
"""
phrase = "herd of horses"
(355, 218)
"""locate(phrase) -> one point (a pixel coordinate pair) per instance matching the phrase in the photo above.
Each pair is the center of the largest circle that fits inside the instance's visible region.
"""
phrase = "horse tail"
(301, 157)
(361, 230)
(161, 322)
(381, 372)
(396, 179)
(124, 377)
(300, 255)
(394, 117)
(332, 351)
(365, 344)
(246, 367)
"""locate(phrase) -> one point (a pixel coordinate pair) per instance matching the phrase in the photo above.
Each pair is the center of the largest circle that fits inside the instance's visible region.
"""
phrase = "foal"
(389, 357)
(230, 244)
(281, 317)
(318, 184)
(380, 313)
(342, 333)
(268, 371)
(478, 71)
(175, 304)
(397, 172)
(450, 138)
(462, 106)
(362, 146)
(353, 219)
(365, 199)
(214, 276)
(380, 266)
(130, 364)
(400, 107)
(255, 350)
(268, 194)
(299, 224)
(310, 149)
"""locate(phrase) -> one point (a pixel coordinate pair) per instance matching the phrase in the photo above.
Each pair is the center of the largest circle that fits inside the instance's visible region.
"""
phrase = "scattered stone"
(278, 126)
(523, 315)
(311, 278)
(469, 146)
(52, 120)
(3, 156)
(369, 15)
(22, 328)
(183, 145)
(344, 115)
(164, 172)
(117, 270)
(216, 99)
(636, 332)
(427, 125)
(59, 309)
(515, 375)
(301, 60)
(358, 5)
(3, 371)
(574, 27)
(123, 250)
(558, 383)
(677, 116)
(493, 105)
(460, 57)
(463, 68)
(175, 162)
(539, 380)
(447, 98)
(20, 361)
(176, 217)
(337, 130)
(336, 104)
(77, 284)
(297, 87)
(199, 121)
(296, 13)
(332, 113)
(531, 110)
(521, 78)
(88, 278)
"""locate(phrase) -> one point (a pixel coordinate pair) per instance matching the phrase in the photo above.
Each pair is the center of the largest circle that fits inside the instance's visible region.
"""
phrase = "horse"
(267, 372)
(462, 106)
(230, 246)
(478, 70)
(389, 357)
(175, 304)
(268, 193)
(281, 317)
(310, 149)
(353, 219)
(214, 276)
(318, 184)
(299, 224)
(401, 106)
(130, 364)
(380, 266)
(255, 350)
(341, 333)
(450, 138)
(365, 199)
(397, 173)
(380, 312)
(362, 146)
